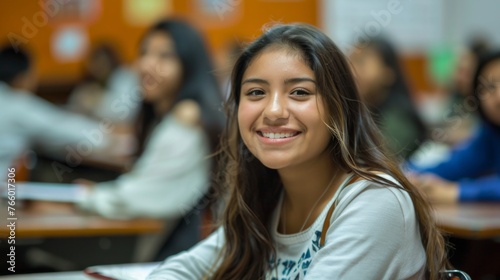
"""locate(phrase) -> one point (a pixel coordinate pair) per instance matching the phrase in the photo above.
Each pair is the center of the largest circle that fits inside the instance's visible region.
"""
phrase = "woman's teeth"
(278, 135)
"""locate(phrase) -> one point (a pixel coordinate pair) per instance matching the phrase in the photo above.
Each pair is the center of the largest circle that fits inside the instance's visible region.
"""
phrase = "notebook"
(121, 272)
(44, 191)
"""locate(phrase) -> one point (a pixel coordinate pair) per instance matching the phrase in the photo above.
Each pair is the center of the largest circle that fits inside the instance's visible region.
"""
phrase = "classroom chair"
(455, 275)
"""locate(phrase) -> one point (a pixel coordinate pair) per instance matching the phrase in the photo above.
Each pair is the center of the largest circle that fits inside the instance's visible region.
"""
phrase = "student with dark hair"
(472, 170)
(179, 113)
(311, 192)
(457, 120)
(27, 120)
(384, 89)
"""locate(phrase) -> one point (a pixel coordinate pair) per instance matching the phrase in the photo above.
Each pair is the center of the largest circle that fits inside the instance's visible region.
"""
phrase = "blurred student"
(311, 192)
(458, 120)
(27, 120)
(462, 79)
(383, 88)
(178, 116)
(109, 90)
(472, 171)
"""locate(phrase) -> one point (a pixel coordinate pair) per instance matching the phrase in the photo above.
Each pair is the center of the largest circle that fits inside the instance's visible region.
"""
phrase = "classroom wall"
(413, 26)
(465, 18)
(421, 29)
(28, 22)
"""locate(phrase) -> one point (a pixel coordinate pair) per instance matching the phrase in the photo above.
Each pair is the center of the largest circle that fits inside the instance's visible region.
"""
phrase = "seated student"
(180, 108)
(311, 192)
(456, 120)
(383, 88)
(109, 89)
(472, 171)
(27, 120)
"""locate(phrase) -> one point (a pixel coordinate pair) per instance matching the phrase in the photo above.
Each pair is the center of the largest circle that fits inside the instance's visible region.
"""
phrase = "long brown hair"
(253, 189)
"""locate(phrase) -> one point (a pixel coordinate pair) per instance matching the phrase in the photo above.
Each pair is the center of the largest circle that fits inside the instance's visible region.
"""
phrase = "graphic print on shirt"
(289, 269)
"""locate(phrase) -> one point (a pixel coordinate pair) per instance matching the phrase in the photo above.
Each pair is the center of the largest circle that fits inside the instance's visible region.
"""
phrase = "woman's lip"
(277, 130)
(276, 140)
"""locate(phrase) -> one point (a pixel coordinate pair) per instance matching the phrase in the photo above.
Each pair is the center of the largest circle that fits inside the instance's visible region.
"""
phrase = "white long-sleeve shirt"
(373, 234)
(26, 120)
(167, 181)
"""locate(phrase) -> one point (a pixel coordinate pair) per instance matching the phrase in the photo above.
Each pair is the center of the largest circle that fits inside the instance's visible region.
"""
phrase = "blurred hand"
(436, 189)
(87, 184)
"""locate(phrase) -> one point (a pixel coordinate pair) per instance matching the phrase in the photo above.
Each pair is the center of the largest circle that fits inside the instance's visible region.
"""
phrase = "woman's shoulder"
(183, 119)
(388, 193)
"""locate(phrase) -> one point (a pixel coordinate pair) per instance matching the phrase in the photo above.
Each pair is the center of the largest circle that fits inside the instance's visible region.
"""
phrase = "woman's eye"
(255, 92)
(300, 92)
(488, 88)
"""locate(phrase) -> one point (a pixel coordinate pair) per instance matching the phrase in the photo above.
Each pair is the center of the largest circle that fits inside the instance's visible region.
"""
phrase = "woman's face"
(99, 66)
(490, 91)
(464, 73)
(372, 75)
(160, 68)
(281, 112)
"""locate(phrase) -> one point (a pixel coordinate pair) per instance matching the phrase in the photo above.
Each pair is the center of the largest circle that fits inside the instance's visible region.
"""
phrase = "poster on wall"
(69, 43)
(145, 12)
(216, 13)
(62, 12)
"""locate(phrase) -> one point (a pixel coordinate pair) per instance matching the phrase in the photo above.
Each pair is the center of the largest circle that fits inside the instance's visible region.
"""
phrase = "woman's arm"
(167, 181)
(483, 189)
(468, 160)
(195, 264)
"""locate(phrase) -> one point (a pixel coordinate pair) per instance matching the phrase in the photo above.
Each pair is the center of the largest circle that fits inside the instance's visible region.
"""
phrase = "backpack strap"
(326, 223)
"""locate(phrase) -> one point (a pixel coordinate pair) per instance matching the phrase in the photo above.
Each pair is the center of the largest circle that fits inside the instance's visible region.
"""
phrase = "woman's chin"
(275, 163)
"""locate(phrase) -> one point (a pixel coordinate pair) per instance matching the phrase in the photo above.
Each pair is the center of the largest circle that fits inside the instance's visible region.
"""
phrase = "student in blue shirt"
(472, 171)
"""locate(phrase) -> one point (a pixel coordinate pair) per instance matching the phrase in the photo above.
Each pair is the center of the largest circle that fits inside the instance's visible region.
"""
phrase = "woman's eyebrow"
(255, 80)
(287, 81)
(298, 80)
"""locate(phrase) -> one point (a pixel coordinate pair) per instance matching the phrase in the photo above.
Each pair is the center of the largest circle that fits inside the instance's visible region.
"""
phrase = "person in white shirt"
(312, 193)
(178, 116)
(27, 120)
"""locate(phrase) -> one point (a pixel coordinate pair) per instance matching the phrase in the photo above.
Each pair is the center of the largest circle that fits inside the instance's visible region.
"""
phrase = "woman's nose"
(276, 107)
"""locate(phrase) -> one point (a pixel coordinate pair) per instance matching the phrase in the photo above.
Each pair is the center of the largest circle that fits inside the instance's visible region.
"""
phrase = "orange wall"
(416, 68)
(235, 19)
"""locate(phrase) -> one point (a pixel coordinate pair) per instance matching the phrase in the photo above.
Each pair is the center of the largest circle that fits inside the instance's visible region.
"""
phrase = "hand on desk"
(436, 189)
(84, 182)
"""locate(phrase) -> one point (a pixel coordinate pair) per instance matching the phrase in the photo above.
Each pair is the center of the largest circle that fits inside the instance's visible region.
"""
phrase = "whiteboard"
(413, 25)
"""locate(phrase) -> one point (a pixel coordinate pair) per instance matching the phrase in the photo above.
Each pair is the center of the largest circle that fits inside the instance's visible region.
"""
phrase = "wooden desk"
(470, 220)
(50, 219)
(76, 275)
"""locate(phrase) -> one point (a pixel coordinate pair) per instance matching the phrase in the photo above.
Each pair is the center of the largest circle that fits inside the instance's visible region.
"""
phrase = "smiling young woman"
(311, 192)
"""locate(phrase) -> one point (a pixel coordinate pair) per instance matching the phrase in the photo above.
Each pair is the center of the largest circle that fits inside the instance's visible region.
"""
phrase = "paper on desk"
(46, 191)
(122, 272)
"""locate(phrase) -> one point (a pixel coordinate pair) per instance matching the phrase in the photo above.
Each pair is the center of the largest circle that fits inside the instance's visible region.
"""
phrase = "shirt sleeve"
(371, 239)
(54, 128)
(167, 181)
(195, 264)
(468, 160)
(483, 189)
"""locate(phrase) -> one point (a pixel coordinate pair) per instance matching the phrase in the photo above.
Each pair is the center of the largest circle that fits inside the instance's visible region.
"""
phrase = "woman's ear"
(187, 112)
